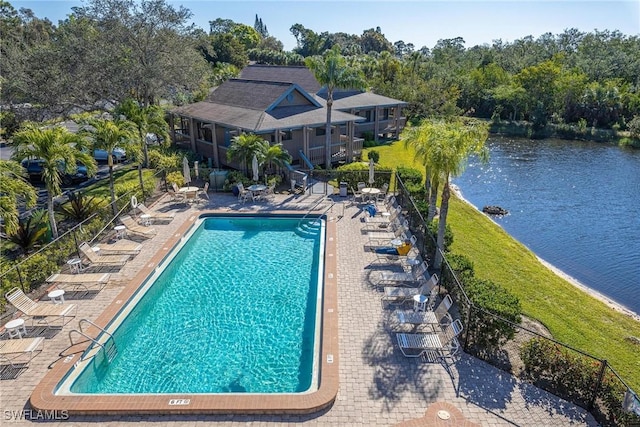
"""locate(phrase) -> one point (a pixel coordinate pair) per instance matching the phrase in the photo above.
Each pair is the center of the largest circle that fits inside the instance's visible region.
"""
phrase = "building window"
(287, 135)
(370, 115)
(385, 114)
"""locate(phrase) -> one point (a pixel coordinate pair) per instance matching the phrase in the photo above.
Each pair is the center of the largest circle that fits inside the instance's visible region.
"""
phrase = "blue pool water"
(235, 311)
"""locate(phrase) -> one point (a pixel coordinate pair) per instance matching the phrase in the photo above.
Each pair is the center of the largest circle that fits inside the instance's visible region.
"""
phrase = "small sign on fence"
(631, 402)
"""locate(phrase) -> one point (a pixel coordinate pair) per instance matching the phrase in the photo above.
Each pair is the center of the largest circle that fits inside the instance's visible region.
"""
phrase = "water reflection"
(575, 204)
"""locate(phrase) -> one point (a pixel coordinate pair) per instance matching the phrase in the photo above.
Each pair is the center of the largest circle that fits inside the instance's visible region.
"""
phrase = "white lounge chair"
(19, 352)
(431, 345)
(398, 296)
(155, 215)
(76, 282)
(40, 310)
(136, 228)
(102, 260)
(401, 278)
(438, 317)
(384, 258)
(120, 247)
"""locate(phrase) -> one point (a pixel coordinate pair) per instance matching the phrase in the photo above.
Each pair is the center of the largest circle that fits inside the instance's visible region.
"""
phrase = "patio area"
(378, 386)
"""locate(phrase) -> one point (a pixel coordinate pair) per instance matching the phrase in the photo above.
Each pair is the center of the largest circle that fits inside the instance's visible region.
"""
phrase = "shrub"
(486, 333)
(373, 154)
(355, 172)
(634, 127)
(409, 175)
(175, 178)
(573, 376)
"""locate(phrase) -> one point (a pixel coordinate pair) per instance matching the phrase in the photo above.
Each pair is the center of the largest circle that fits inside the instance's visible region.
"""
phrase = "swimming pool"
(48, 395)
(232, 310)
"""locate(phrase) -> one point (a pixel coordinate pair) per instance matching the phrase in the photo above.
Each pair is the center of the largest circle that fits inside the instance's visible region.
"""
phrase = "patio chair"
(176, 195)
(40, 310)
(398, 296)
(382, 195)
(432, 345)
(120, 247)
(243, 193)
(402, 278)
(19, 352)
(204, 192)
(155, 215)
(102, 260)
(438, 317)
(357, 195)
(270, 193)
(135, 228)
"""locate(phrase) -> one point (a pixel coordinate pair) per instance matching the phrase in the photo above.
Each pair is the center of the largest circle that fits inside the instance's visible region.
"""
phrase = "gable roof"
(300, 75)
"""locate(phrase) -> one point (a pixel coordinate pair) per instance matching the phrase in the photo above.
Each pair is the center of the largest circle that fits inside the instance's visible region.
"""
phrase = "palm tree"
(276, 155)
(60, 151)
(243, 147)
(450, 143)
(147, 120)
(15, 190)
(109, 135)
(420, 138)
(331, 70)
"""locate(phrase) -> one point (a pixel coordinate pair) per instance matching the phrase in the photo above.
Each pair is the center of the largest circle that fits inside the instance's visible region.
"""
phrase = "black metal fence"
(31, 272)
(580, 378)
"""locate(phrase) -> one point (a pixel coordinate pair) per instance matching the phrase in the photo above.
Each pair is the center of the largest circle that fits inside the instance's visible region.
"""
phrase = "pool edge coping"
(43, 397)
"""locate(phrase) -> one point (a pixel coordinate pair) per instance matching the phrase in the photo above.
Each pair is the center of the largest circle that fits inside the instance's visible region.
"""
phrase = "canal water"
(575, 204)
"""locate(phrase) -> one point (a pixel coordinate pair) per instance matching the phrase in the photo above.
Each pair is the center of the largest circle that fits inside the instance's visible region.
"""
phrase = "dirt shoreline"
(608, 301)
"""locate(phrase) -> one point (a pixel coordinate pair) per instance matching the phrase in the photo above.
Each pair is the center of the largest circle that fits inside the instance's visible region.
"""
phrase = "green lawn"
(572, 315)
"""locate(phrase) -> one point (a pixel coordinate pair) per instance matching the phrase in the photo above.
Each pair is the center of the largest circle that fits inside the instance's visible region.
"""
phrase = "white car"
(118, 155)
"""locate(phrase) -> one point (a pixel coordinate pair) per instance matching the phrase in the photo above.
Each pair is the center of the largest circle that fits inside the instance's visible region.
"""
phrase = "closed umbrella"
(186, 171)
(371, 171)
(255, 166)
(195, 169)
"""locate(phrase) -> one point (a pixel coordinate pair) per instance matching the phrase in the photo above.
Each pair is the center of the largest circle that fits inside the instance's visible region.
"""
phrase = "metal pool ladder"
(109, 347)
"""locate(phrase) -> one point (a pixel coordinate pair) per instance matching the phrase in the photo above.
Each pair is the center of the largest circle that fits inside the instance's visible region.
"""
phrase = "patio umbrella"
(186, 171)
(195, 169)
(371, 171)
(254, 167)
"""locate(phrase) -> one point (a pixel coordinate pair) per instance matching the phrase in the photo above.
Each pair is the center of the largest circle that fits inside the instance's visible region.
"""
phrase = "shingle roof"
(302, 76)
(257, 95)
(365, 99)
(260, 121)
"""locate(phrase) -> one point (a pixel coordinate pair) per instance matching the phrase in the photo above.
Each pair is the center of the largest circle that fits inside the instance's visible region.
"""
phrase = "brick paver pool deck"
(378, 386)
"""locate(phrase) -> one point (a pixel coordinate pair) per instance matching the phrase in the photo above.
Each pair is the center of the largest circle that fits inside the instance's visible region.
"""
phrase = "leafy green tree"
(331, 71)
(108, 135)
(308, 43)
(60, 151)
(419, 138)
(246, 35)
(15, 190)
(372, 40)
(140, 41)
(30, 232)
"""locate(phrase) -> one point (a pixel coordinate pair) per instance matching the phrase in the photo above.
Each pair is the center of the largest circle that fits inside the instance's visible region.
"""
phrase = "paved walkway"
(378, 386)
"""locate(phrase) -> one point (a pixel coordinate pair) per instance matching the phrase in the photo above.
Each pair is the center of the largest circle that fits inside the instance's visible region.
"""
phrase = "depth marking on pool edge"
(173, 402)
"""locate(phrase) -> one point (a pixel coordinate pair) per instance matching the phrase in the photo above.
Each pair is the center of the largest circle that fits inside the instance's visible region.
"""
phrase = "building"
(285, 105)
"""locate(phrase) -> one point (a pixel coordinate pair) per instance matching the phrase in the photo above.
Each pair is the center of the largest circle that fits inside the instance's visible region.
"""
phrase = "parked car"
(34, 169)
(118, 154)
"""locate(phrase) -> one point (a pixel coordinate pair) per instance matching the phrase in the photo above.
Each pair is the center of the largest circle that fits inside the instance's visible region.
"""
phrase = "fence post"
(75, 240)
(596, 390)
(20, 279)
(468, 328)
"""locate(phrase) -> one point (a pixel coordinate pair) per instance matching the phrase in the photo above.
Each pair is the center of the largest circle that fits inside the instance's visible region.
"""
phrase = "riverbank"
(568, 278)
